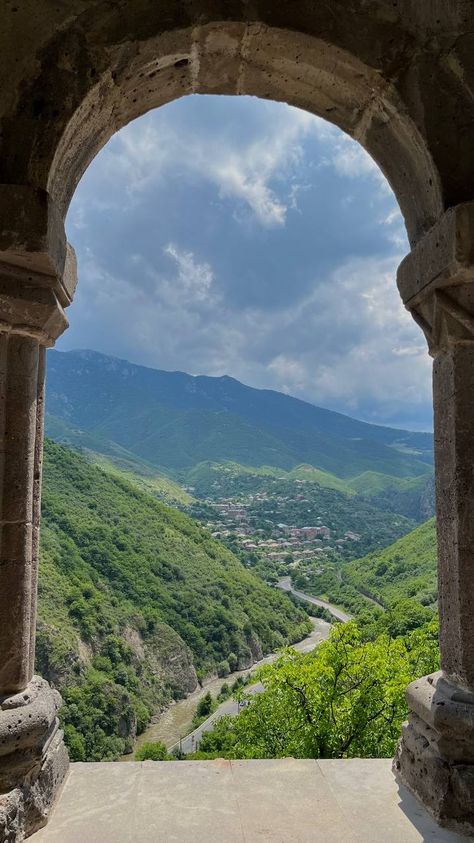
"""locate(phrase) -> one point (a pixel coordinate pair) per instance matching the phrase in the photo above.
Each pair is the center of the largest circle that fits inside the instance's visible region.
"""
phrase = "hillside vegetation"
(401, 578)
(348, 697)
(406, 568)
(134, 598)
(175, 421)
(116, 460)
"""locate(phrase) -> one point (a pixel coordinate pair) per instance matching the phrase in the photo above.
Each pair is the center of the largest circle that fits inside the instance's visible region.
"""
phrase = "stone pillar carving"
(435, 757)
(33, 758)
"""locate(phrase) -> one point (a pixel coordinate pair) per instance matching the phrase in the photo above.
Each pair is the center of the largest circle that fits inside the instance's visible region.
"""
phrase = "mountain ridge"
(175, 420)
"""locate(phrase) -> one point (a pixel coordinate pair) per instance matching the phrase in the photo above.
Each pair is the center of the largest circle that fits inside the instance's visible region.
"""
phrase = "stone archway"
(397, 78)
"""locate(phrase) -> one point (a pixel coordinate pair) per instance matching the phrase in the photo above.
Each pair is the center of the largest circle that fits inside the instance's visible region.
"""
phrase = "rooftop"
(282, 801)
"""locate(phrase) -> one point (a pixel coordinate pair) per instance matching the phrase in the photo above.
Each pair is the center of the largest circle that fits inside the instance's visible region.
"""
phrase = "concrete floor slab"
(274, 801)
(183, 805)
(376, 807)
(287, 801)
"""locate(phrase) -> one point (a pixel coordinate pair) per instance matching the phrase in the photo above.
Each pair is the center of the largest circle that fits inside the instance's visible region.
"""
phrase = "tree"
(346, 699)
(152, 752)
(204, 706)
(223, 668)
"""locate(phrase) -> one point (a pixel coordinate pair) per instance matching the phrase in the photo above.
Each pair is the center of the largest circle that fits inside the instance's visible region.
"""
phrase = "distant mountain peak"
(176, 420)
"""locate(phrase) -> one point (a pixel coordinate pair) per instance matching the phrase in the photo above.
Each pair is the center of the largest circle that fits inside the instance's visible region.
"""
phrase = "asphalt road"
(285, 585)
(190, 743)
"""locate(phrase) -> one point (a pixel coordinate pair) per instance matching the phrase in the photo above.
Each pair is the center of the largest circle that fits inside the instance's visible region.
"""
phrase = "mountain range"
(173, 422)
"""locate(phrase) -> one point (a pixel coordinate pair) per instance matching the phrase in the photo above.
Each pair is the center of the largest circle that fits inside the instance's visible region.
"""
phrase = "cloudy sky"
(222, 235)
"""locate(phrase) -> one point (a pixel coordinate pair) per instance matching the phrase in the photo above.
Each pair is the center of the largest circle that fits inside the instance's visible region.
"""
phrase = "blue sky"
(225, 235)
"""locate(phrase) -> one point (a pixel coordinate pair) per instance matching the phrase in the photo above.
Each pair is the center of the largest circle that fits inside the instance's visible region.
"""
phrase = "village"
(257, 523)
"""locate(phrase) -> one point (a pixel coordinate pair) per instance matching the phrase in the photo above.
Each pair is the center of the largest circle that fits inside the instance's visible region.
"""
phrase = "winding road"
(190, 743)
(339, 614)
(177, 720)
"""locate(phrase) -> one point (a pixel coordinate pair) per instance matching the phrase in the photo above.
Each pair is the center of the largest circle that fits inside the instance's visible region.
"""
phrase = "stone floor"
(282, 801)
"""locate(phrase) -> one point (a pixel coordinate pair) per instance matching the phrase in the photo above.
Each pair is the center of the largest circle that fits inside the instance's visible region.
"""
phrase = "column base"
(435, 755)
(33, 759)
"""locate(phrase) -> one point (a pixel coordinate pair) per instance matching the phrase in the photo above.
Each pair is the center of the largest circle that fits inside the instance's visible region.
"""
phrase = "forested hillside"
(137, 600)
(134, 598)
(175, 421)
(400, 577)
(406, 568)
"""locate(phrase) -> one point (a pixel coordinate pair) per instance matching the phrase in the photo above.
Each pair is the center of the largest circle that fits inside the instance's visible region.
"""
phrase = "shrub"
(152, 752)
(204, 706)
(223, 668)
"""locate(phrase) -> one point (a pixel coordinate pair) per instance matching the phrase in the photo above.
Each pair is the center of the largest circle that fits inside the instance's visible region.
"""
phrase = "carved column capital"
(32, 303)
(446, 316)
(436, 280)
(28, 309)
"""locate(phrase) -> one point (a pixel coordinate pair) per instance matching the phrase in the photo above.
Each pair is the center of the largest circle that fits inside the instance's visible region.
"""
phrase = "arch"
(398, 76)
(226, 57)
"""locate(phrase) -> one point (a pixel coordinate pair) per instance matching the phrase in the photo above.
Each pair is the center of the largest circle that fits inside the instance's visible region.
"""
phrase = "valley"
(162, 582)
(137, 603)
(280, 526)
(176, 722)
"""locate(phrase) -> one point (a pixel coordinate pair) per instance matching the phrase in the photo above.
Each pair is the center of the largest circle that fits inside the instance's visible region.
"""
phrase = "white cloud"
(193, 280)
(346, 156)
(249, 171)
(343, 341)
(348, 344)
(245, 180)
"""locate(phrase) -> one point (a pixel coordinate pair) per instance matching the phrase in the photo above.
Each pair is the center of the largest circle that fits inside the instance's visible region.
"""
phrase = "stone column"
(33, 758)
(435, 757)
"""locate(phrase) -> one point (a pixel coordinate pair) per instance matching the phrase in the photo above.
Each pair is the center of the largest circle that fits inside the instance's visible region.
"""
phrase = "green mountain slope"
(373, 482)
(208, 478)
(101, 451)
(133, 597)
(405, 569)
(409, 496)
(176, 421)
(402, 575)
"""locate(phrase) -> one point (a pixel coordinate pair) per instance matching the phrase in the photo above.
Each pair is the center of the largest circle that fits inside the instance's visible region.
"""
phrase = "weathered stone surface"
(453, 391)
(367, 66)
(445, 788)
(31, 318)
(443, 257)
(33, 759)
(283, 800)
(30, 311)
(435, 756)
(11, 816)
(39, 792)
(31, 230)
(27, 725)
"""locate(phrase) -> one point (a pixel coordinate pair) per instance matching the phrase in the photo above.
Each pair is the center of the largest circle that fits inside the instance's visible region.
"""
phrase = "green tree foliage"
(152, 751)
(400, 578)
(345, 699)
(405, 569)
(204, 706)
